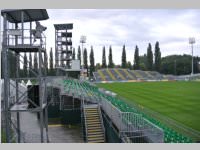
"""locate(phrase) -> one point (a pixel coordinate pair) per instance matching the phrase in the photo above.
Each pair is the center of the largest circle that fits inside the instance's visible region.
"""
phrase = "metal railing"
(27, 39)
(101, 119)
(132, 124)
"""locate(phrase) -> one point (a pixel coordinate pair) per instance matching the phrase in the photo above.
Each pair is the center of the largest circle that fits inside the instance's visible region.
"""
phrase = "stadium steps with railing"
(94, 125)
(128, 74)
(138, 75)
(103, 78)
(110, 74)
(119, 74)
(132, 74)
(149, 75)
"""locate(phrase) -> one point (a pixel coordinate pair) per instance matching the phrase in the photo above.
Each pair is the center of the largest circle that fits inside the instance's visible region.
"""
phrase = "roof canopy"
(67, 26)
(14, 15)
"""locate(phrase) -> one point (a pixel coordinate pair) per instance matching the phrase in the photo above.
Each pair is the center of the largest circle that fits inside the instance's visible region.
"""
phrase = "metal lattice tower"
(18, 37)
(63, 46)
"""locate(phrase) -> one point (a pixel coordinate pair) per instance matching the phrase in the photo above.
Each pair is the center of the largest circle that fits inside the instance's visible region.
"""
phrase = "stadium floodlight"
(192, 41)
(82, 40)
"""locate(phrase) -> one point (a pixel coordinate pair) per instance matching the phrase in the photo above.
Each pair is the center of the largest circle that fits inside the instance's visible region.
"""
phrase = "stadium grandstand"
(127, 75)
(118, 74)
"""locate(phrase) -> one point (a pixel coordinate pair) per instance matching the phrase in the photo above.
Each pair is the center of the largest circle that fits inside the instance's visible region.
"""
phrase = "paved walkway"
(57, 133)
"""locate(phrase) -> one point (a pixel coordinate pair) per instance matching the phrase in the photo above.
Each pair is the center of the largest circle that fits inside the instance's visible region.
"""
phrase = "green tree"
(136, 65)
(129, 65)
(11, 64)
(25, 64)
(35, 63)
(104, 65)
(143, 62)
(85, 60)
(46, 62)
(179, 64)
(79, 54)
(110, 60)
(73, 54)
(51, 62)
(30, 65)
(123, 57)
(157, 56)
(149, 62)
(92, 67)
(98, 66)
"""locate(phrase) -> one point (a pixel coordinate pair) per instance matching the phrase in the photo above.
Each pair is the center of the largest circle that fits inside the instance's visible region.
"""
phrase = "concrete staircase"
(111, 75)
(103, 78)
(94, 127)
(129, 75)
(120, 75)
(137, 74)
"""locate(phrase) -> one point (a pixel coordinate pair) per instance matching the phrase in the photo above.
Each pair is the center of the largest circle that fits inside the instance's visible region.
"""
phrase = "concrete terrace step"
(97, 141)
(120, 75)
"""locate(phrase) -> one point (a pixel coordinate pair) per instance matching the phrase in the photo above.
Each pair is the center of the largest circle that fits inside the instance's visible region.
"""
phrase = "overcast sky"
(171, 28)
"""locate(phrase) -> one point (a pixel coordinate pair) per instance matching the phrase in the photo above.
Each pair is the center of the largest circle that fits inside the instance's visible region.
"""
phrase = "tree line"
(151, 61)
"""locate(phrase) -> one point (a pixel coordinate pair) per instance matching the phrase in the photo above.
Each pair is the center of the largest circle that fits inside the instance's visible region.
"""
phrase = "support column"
(40, 94)
(6, 78)
(22, 26)
(17, 87)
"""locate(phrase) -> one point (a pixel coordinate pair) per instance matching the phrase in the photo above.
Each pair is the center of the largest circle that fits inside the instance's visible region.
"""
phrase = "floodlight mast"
(192, 41)
(82, 40)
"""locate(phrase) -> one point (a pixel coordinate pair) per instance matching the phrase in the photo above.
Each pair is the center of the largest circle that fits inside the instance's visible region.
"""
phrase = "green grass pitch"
(179, 101)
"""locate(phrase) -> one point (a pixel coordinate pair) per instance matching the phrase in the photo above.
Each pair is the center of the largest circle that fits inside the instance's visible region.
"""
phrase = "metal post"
(40, 93)
(192, 41)
(22, 26)
(17, 88)
(82, 58)
(6, 78)
(192, 60)
(30, 33)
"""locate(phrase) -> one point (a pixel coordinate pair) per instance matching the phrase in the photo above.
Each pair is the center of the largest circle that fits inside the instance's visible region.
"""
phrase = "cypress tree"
(157, 55)
(85, 61)
(104, 65)
(79, 54)
(136, 65)
(149, 64)
(124, 57)
(25, 68)
(30, 65)
(11, 65)
(110, 61)
(46, 62)
(129, 65)
(51, 62)
(73, 54)
(92, 67)
(35, 63)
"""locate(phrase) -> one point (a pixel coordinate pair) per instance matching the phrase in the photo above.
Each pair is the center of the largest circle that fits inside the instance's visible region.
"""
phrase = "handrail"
(85, 123)
(102, 125)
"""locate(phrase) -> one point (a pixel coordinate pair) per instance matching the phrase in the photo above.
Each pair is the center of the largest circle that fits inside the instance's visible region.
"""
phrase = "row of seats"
(119, 74)
(85, 88)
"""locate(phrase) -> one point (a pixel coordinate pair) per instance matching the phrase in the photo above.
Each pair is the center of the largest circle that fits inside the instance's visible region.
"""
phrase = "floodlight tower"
(82, 40)
(192, 41)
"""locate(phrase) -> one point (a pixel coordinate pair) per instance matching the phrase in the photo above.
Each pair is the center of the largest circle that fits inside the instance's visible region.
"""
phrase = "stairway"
(120, 75)
(128, 74)
(111, 75)
(103, 78)
(93, 124)
(149, 75)
(137, 74)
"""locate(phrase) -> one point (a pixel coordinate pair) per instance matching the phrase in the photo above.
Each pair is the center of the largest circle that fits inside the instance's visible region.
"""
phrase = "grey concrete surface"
(30, 127)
